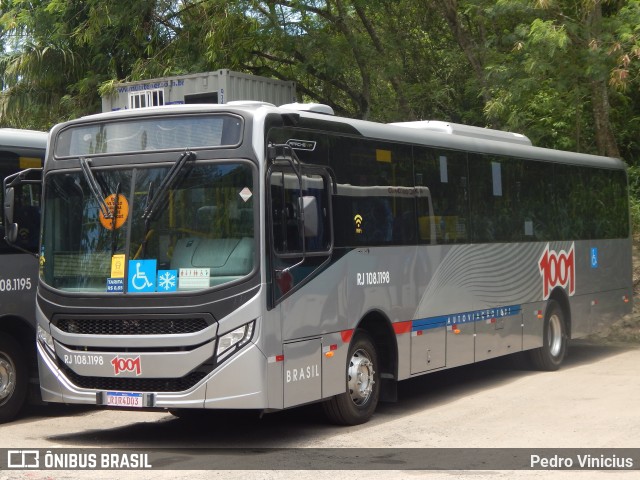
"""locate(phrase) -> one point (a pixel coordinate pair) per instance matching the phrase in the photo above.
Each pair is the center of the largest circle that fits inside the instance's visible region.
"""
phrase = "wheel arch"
(376, 324)
(25, 334)
(18, 351)
(559, 294)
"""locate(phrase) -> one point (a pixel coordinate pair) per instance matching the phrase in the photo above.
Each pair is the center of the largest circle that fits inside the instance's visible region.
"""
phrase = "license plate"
(124, 399)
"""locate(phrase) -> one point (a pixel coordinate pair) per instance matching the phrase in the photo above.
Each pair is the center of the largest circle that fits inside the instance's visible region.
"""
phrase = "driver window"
(300, 227)
(290, 203)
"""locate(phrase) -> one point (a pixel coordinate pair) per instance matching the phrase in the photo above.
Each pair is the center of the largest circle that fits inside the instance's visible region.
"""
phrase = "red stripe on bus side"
(346, 335)
(402, 327)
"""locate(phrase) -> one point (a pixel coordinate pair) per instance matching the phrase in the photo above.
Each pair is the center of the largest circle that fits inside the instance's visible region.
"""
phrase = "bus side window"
(27, 216)
(28, 233)
(290, 205)
(300, 226)
(443, 203)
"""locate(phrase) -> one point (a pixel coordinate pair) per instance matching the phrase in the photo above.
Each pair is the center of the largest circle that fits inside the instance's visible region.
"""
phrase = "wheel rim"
(7, 378)
(555, 335)
(361, 377)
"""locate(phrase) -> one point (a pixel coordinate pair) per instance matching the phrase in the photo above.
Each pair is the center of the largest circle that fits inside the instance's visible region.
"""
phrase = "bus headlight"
(231, 342)
(46, 340)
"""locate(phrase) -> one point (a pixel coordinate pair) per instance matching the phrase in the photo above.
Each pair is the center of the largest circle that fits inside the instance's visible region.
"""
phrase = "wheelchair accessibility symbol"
(142, 276)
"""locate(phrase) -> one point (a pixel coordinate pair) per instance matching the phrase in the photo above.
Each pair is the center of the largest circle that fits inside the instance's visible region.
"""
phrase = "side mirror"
(11, 233)
(9, 195)
(310, 209)
(11, 228)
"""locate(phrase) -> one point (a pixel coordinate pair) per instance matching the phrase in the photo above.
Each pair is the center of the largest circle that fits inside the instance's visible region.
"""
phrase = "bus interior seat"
(224, 256)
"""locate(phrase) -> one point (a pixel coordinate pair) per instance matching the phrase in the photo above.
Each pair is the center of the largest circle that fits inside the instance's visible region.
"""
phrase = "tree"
(558, 79)
(388, 61)
(367, 59)
(58, 52)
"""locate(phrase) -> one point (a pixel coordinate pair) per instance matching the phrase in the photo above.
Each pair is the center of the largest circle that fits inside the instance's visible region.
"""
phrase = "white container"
(221, 86)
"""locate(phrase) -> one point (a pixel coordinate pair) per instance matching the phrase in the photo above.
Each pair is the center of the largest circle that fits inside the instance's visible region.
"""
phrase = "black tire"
(550, 356)
(14, 377)
(360, 399)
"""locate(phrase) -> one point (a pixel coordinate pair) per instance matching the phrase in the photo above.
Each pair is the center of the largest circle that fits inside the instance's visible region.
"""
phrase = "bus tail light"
(231, 342)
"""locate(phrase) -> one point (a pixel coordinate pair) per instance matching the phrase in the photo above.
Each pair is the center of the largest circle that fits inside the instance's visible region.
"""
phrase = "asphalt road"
(592, 402)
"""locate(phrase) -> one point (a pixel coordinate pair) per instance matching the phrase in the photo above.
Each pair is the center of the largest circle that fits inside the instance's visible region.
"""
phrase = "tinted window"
(590, 203)
(443, 206)
(391, 194)
(376, 200)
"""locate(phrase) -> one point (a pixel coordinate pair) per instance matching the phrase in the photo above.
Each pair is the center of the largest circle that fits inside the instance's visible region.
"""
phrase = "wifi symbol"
(358, 221)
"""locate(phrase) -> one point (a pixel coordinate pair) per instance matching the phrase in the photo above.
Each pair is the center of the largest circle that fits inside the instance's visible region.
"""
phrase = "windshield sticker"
(167, 280)
(142, 276)
(121, 212)
(42, 260)
(357, 220)
(115, 285)
(191, 278)
(117, 265)
(245, 194)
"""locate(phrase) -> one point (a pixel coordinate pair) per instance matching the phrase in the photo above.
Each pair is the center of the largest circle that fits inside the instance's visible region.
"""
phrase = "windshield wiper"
(114, 234)
(155, 198)
(94, 186)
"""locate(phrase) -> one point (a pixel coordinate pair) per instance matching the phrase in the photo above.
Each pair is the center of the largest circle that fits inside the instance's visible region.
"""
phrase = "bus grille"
(135, 384)
(131, 326)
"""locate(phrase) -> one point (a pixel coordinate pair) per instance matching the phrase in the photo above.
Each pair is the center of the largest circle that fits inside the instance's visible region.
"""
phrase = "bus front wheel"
(362, 390)
(549, 357)
(13, 377)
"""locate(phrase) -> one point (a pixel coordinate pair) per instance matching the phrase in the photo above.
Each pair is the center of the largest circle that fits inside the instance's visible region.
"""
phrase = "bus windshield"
(200, 234)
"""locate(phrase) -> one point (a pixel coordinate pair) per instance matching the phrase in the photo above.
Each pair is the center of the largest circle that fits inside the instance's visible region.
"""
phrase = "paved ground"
(590, 403)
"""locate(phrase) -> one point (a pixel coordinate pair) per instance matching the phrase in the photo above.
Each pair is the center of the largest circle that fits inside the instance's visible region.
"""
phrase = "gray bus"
(19, 150)
(246, 256)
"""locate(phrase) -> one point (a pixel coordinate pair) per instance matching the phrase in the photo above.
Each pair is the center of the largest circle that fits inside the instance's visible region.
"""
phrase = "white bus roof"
(15, 137)
(436, 134)
(467, 131)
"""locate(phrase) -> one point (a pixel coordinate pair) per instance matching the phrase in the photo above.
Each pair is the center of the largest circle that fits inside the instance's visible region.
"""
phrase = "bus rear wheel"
(13, 378)
(362, 391)
(550, 356)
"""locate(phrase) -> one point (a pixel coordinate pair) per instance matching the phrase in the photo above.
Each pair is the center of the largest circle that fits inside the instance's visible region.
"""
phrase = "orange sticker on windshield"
(121, 212)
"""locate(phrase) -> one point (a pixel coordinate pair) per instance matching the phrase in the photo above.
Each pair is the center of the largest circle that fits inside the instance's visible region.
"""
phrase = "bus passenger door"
(301, 239)
(302, 367)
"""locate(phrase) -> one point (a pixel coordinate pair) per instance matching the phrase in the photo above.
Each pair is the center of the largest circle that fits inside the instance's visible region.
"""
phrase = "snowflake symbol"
(167, 281)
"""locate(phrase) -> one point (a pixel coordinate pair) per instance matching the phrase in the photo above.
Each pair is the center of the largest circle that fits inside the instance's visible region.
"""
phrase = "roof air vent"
(467, 131)
(309, 107)
(248, 103)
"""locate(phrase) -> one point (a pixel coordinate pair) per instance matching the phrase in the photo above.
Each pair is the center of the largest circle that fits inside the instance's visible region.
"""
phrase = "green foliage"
(62, 51)
(387, 61)
(634, 198)
(565, 81)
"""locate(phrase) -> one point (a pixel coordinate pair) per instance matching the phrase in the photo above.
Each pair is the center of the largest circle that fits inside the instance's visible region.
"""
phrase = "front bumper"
(239, 383)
